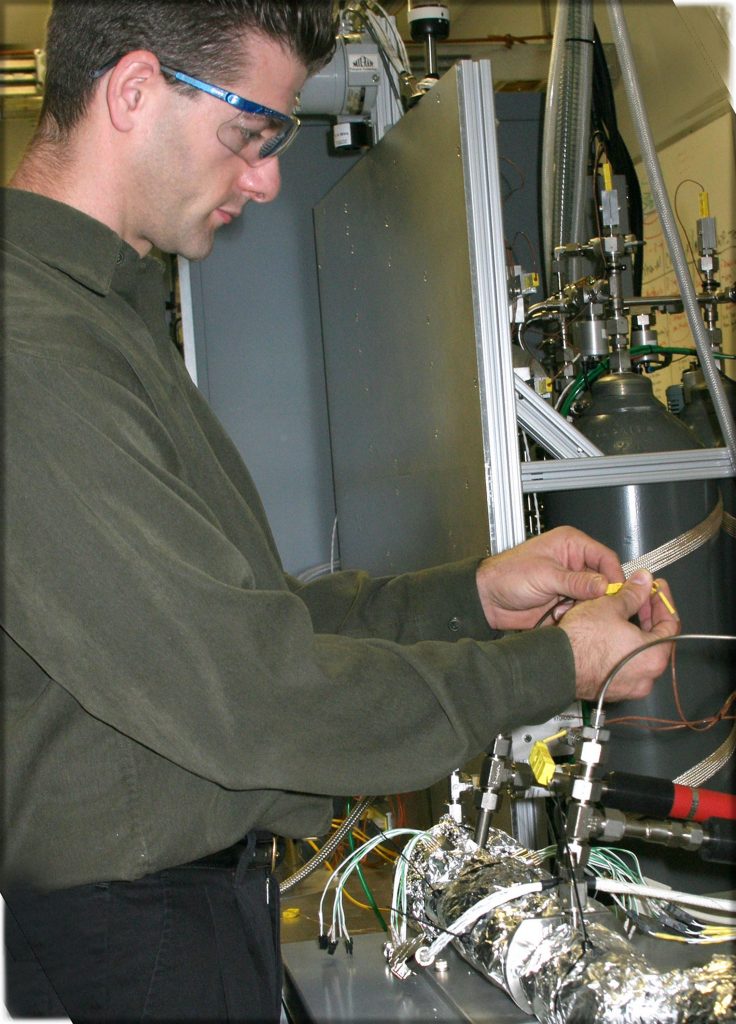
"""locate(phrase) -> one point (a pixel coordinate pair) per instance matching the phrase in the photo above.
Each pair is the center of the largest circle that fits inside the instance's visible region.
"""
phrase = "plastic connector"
(613, 588)
(542, 763)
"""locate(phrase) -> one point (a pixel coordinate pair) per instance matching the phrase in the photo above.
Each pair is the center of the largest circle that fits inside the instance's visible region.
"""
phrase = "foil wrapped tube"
(537, 954)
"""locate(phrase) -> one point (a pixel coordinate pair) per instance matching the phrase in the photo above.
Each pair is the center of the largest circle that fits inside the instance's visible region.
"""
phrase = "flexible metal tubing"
(566, 126)
(548, 138)
(329, 847)
(638, 650)
(674, 243)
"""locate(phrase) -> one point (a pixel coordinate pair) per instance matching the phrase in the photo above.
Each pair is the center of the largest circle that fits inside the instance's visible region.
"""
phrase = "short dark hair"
(191, 35)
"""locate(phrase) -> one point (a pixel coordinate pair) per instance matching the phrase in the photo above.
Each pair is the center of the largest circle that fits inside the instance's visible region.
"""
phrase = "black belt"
(265, 848)
(269, 850)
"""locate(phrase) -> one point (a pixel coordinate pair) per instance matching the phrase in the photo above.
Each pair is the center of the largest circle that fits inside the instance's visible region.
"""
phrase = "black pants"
(194, 943)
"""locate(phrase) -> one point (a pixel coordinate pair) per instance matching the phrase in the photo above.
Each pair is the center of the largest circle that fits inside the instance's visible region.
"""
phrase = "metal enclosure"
(253, 333)
(256, 346)
(416, 336)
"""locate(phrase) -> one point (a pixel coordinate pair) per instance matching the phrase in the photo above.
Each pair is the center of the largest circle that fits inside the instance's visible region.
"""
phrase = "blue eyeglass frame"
(271, 146)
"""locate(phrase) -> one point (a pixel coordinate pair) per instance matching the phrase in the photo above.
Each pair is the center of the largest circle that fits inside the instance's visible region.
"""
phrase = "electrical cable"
(610, 885)
(361, 878)
(694, 262)
(562, 844)
(328, 867)
(339, 877)
(571, 392)
(604, 119)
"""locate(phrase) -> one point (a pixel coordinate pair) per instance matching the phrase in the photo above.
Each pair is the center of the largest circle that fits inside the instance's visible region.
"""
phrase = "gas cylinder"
(623, 417)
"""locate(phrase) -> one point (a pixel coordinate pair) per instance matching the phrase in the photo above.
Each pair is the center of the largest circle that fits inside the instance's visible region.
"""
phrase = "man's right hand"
(601, 634)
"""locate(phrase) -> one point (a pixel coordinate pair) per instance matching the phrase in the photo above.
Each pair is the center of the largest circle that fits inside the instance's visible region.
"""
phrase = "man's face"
(188, 184)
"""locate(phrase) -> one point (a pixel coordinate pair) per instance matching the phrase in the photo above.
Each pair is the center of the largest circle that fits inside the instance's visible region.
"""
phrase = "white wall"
(707, 156)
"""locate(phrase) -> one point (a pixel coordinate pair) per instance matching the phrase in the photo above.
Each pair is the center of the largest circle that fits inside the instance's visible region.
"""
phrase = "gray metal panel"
(259, 349)
(400, 347)
(343, 989)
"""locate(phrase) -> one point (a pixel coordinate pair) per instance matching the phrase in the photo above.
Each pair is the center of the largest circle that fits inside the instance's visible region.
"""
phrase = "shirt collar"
(68, 240)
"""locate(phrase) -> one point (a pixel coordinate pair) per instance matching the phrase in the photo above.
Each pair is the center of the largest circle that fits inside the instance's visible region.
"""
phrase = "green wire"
(366, 889)
(639, 350)
(580, 383)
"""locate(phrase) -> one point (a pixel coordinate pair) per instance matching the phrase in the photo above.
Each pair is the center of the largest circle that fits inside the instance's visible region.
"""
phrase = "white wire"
(334, 563)
(340, 876)
(392, 46)
(612, 885)
(399, 47)
(466, 920)
(399, 919)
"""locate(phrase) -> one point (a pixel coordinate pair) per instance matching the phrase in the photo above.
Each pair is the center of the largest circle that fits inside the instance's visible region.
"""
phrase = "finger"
(642, 671)
(583, 585)
(587, 553)
(561, 608)
(634, 594)
(666, 627)
(604, 560)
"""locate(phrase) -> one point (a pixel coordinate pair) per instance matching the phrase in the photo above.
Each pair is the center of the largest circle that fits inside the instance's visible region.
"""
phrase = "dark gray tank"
(624, 417)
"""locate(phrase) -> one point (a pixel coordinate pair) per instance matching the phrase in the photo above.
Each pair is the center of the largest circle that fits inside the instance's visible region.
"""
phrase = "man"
(172, 695)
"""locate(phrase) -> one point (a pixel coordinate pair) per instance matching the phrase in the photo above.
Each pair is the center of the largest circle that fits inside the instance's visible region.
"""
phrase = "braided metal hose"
(330, 846)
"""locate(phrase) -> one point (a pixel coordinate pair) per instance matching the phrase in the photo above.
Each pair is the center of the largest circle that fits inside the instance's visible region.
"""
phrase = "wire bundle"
(649, 906)
(329, 940)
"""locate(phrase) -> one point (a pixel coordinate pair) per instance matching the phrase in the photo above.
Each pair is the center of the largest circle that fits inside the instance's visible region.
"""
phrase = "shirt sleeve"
(440, 603)
(128, 590)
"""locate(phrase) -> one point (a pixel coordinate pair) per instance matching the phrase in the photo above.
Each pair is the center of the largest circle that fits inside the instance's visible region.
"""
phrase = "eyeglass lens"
(255, 138)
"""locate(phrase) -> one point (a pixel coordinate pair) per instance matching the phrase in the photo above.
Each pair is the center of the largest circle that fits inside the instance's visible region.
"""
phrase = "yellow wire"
(692, 942)
(557, 735)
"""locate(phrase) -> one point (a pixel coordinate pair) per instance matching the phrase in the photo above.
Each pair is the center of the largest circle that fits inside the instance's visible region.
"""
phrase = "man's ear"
(131, 87)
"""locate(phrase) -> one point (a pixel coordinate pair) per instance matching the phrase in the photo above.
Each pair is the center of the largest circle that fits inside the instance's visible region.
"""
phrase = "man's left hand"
(518, 586)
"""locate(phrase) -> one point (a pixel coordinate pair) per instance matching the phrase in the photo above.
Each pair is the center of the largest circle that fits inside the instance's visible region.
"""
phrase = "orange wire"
(671, 724)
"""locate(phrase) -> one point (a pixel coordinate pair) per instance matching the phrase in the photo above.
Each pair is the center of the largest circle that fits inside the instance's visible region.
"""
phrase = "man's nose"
(261, 182)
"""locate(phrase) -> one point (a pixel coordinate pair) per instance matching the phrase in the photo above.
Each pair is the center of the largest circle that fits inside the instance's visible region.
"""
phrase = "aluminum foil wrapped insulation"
(532, 949)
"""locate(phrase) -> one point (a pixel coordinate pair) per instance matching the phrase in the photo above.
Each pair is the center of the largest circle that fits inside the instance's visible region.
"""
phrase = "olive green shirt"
(166, 686)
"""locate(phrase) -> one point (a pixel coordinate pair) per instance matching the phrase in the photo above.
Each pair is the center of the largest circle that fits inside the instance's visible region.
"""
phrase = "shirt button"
(454, 624)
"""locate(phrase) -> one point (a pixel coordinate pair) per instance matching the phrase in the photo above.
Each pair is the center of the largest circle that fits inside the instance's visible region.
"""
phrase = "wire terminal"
(613, 588)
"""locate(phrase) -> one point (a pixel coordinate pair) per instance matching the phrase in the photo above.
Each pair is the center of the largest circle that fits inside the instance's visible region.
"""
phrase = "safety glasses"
(254, 133)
